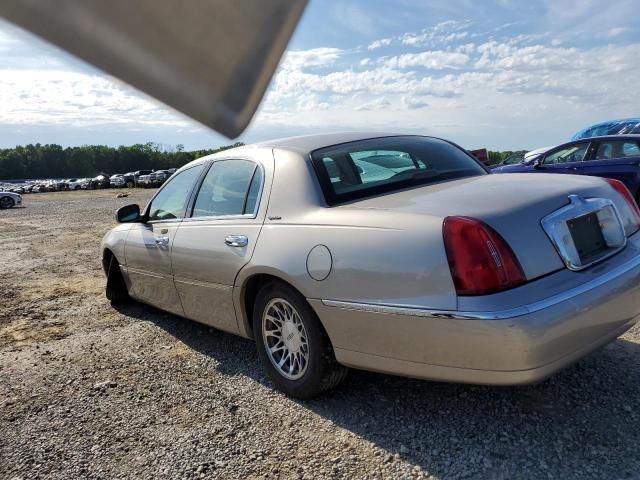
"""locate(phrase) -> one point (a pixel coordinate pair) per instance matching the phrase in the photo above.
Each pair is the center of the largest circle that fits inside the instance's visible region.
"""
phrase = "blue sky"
(499, 74)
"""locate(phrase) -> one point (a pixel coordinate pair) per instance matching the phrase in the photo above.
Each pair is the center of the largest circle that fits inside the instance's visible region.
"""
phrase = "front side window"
(617, 149)
(171, 202)
(573, 153)
(231, 187)
(370, 167)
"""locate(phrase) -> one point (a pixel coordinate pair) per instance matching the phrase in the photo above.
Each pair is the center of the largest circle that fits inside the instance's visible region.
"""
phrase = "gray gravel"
(87, 391)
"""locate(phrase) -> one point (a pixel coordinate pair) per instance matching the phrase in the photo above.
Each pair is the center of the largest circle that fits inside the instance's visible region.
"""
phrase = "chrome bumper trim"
(491, 315)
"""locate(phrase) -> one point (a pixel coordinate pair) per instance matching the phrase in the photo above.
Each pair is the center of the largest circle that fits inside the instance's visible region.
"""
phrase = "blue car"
(624, 126)
(612, 156)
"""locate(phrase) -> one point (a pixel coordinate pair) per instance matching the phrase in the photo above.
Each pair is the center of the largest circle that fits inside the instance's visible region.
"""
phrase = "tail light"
(634, 222)
(480, 260)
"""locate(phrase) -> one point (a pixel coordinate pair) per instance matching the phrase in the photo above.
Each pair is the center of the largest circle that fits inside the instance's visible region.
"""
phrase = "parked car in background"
(158, 177)
(623, 126)
(75, 183)
(116, 181)
(9, 199)
(139, 173)
(614, 156)
(144, 181)
(99, 181)
(397, 254)
(481, 154)
(535, 153)
(513, 159)
(129, 179)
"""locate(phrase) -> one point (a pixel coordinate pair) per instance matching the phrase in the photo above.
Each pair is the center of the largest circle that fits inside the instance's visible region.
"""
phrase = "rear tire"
(116, 289)
(295, 335)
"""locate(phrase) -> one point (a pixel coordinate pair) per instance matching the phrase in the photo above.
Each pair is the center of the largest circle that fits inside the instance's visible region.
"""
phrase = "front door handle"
(162, 241)
(236, 240)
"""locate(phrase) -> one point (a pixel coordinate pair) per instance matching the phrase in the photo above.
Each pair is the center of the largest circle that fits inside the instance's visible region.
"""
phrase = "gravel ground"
(87, 391)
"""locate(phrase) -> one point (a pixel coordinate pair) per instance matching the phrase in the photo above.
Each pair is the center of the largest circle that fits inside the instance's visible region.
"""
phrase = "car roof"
(302, 145)
(309, 143)
(633, 136)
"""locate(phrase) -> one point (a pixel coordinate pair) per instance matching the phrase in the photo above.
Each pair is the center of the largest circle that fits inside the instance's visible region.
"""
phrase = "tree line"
(499, 157)
(53, 161)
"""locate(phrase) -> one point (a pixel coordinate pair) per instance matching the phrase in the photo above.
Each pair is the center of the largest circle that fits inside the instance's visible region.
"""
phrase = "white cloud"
(413, 103)
(76, 99)
(433, 60)
(383, 42)
(377, 104)
(614, 32)
(315, 57)
(480, 88)
(441, 34)
(523, 84)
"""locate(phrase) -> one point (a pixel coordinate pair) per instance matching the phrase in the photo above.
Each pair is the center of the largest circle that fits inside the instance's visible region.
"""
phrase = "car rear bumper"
(517, 345)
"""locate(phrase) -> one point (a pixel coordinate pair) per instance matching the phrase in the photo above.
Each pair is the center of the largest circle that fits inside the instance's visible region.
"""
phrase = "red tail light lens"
(480, 260)
(622, 189)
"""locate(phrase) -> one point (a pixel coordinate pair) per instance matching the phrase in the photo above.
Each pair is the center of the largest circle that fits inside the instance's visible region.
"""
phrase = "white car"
(535, 153)
(76, 183)
(9, 199)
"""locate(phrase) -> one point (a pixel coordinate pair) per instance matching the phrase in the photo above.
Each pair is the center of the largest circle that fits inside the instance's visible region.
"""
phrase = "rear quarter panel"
(376, 257)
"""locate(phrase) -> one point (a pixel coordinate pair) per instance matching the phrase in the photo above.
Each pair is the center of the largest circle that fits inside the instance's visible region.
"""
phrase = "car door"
(566, 159)
(616, 158)
(218, 238)
(149, 243)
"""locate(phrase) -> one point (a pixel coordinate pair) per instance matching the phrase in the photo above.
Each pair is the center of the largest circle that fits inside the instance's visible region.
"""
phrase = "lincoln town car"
(399, 254)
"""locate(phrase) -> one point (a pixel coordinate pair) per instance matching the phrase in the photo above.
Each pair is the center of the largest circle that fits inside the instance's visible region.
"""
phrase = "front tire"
(292, 345)
(116, 289)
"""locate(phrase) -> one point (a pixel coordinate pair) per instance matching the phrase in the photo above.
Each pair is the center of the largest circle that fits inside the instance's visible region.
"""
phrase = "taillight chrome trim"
(553, 224)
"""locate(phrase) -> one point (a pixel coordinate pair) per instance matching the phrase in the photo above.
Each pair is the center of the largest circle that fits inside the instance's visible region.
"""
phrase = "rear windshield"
(355, 170)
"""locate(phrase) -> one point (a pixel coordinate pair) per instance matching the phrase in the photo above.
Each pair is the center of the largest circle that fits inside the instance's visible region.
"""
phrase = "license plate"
(587, 236)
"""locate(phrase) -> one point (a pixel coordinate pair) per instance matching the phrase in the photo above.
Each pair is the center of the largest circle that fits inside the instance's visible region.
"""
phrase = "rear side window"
(231, 187)
(370, 167)
(617, 149)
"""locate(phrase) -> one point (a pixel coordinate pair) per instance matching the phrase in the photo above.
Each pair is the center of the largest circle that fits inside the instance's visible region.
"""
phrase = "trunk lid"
(512, 204)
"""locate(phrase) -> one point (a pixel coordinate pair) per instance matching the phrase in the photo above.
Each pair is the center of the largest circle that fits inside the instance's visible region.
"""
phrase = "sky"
(499, 74)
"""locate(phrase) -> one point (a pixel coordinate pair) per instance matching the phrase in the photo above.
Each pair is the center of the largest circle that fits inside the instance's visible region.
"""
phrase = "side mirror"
(128, 214)
(537, 163)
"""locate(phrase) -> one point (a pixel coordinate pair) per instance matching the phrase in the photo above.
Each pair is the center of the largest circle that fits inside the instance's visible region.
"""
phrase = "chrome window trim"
(169, 220)
(245, 216)
(496, 314)
(578, 207)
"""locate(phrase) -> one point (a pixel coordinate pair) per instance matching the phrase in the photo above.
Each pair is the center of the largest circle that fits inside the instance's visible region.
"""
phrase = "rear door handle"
(162, 241)
(236, 240)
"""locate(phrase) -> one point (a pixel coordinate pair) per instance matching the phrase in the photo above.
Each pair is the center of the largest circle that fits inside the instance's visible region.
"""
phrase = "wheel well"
(251, 289)
(106, 260)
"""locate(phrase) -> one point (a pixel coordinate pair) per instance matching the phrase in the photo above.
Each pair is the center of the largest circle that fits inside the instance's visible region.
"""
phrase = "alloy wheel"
(285, 339)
